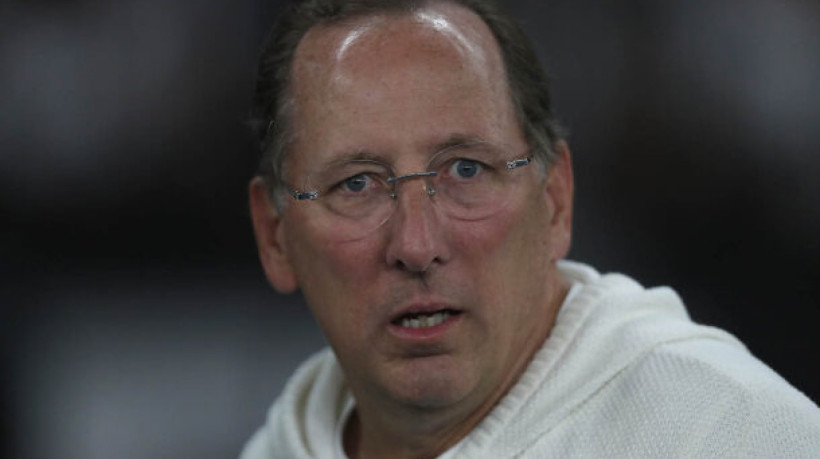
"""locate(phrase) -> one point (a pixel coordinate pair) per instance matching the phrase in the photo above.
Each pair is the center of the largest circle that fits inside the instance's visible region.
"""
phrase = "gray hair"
(272, 101)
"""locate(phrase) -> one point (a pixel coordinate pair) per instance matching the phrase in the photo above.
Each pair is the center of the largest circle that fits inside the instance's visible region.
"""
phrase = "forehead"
(440, 30)
(424, 72)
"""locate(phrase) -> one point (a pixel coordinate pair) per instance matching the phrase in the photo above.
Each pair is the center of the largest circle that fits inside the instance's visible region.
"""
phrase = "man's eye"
(356, 183)
(465, 168)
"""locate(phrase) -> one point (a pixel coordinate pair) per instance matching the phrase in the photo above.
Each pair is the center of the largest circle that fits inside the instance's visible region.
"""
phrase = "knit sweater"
(624, 373)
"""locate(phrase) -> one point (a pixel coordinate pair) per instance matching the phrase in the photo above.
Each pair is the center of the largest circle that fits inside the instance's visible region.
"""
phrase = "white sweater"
(624, 373)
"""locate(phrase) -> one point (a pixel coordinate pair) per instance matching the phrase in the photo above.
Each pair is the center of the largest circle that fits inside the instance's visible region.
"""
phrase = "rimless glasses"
(466, 183)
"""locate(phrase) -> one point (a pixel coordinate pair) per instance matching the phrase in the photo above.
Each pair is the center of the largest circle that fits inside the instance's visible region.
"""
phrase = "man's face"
(401, 88)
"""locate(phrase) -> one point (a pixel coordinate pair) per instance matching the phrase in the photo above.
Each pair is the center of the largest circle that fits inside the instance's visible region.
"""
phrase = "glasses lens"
(355, 196)
(472, 184)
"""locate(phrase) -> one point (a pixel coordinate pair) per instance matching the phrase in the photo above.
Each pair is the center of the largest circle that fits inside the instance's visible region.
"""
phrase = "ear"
(270, 238)
(560, 188)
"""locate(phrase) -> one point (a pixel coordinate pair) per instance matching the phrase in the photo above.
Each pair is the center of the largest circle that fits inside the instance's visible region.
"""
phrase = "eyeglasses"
(360, 195)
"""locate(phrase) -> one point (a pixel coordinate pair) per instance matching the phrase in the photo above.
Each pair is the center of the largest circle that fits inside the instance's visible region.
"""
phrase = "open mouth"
(425, 319)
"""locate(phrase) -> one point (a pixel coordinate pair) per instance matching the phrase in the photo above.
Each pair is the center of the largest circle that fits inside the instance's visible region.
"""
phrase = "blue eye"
(356, 183)
(466, 168)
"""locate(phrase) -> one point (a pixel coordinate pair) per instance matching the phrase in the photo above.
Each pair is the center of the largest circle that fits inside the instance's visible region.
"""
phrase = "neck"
(418, 434)
(387, 429)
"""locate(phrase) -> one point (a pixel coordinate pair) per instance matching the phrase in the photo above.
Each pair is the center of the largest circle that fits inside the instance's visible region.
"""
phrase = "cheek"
(483, 260)
(506, 258)
(480, 241)
(329, 267)
(513, 237)
(336, 280)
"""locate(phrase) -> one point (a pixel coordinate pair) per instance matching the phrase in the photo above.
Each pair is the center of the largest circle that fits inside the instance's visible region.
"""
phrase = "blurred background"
(135, 321)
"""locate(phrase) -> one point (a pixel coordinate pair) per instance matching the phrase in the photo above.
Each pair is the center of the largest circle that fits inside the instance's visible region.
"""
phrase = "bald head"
(527, 84)
(383, 73)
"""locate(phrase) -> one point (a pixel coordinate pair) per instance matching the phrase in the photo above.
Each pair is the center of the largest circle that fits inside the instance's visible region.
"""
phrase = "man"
(415, 188)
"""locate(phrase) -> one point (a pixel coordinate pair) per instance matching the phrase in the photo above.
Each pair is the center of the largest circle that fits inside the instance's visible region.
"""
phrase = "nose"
(416, 237)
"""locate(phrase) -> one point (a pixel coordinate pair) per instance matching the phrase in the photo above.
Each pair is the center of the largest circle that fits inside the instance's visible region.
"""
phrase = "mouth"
(424, 319)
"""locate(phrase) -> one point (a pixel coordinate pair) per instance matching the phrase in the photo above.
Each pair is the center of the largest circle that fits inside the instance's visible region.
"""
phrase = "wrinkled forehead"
(438, 32)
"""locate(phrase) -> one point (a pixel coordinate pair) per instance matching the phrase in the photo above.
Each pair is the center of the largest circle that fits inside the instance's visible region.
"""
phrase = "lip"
(424, 334)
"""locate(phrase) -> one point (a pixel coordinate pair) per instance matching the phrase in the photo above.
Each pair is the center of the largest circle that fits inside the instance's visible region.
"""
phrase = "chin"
(433, 384)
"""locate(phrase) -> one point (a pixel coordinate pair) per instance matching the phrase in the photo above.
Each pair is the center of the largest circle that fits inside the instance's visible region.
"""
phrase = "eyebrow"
(459, 141)
(453, 141)
(355, 155)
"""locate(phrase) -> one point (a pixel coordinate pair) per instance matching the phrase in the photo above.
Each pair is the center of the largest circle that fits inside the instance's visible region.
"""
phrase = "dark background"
(135, 321)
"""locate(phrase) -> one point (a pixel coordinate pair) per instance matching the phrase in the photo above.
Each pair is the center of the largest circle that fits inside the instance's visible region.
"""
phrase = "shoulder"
(644, 380)
(301, 421)
(688, 398)
(258, 447)
(714, 398)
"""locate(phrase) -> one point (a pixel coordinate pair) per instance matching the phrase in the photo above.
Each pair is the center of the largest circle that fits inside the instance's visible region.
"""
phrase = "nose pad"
(428, 184)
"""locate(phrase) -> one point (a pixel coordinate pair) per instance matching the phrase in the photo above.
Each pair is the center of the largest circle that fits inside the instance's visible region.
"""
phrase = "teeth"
(425, 320)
